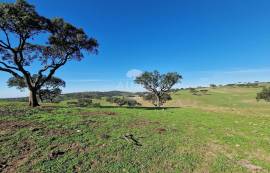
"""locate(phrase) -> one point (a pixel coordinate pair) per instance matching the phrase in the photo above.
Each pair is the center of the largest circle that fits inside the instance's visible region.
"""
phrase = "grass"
(225, 131)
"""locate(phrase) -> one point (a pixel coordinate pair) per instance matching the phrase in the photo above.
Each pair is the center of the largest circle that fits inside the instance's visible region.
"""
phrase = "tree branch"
(7, 37)
(7, 66)
(54, 67)
(16, 75)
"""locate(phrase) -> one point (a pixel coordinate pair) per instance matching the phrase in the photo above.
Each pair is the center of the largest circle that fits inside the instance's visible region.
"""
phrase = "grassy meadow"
(225, 130)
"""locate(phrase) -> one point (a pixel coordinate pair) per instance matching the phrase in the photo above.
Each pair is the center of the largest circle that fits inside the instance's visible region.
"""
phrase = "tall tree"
(61, 42)
(158, 85)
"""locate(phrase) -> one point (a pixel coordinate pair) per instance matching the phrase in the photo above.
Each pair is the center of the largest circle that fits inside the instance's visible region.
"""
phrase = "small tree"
(158, 84)
(264, 94)
(49, 91)
(20, 24)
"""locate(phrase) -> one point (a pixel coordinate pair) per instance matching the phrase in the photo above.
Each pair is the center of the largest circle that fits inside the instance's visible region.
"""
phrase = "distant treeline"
(99, 95)
(80, 95)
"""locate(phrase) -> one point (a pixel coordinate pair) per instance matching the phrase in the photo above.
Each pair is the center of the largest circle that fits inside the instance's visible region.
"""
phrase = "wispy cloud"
(133, 73)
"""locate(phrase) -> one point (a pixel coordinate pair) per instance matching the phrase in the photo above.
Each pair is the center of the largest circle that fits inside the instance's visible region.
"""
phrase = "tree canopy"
(158, 84)
(20, 24)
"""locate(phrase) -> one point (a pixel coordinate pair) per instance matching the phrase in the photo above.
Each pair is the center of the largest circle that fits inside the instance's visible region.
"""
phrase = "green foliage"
(84, 102)
(264, 94)
(193, 91)
(121, 101)
(64, 42)
(204, 91)
(50, 90)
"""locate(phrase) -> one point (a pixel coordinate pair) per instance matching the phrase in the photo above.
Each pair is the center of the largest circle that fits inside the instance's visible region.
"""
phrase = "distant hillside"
(78, 95)
(95, 94)
(98, 94)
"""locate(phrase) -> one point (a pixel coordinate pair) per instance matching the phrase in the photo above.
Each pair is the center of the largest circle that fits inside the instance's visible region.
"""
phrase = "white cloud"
(133, 73)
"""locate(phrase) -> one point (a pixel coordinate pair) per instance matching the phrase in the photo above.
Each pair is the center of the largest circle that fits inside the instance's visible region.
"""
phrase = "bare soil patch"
(7, 126)
(161, 130)
(25, 147)
(250, 166)
(57, 132)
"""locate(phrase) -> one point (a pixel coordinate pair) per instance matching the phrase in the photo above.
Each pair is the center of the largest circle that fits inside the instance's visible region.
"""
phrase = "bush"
(123, 101)
(264, 94)
(204, 91)
(193, 91)
(132, 103)
(83, 102)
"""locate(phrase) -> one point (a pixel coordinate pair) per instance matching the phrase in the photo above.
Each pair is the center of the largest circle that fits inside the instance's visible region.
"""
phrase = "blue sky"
(207, 41)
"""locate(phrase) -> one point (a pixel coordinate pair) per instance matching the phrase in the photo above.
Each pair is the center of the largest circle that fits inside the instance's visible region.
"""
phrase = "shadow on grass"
(141, 107)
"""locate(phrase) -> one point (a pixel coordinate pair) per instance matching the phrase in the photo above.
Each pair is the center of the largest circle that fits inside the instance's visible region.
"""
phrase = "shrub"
(193, 91)
(204, 91)
(83, 102)
(132, 103)
(264, 94)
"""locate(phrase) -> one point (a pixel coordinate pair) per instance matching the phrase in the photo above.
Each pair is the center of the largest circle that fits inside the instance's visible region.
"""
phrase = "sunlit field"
(225, 130)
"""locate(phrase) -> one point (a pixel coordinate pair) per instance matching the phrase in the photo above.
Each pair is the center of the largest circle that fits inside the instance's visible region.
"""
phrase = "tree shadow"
(141, 107)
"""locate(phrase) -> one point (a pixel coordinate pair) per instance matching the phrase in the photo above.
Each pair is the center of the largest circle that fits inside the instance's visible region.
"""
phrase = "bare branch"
(7, 37)
(4, 45)
(54, 67)
(11, 72)
(8, 66)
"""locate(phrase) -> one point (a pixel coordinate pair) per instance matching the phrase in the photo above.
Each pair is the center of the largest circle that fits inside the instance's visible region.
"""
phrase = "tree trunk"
(33, 101)
(158, 101)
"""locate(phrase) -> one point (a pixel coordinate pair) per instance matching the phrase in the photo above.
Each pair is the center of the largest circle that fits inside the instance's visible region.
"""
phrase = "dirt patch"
(160, 130)
(250, 166)
(143, 123)
(25, 147)
(57, 132)
(13, 124)
(48, 109)
(98, 113)
(7, 126)
(10, 111)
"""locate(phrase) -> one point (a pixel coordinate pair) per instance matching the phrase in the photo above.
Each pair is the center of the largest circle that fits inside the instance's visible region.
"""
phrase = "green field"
(226, 130)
